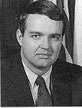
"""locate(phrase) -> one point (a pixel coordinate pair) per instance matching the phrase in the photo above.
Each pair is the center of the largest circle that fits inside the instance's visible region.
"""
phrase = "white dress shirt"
(32, 78)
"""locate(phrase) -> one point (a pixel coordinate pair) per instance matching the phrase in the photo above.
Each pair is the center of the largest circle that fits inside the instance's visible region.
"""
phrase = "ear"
(19, 37)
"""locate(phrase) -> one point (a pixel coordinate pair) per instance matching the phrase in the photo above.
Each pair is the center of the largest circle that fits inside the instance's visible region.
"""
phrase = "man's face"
(42, 41)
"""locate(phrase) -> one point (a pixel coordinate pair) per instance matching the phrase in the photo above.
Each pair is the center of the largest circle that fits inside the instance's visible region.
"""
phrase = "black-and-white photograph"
(41, 53)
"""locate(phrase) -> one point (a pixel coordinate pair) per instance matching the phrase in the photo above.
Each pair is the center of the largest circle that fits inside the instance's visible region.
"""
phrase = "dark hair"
(43, 7)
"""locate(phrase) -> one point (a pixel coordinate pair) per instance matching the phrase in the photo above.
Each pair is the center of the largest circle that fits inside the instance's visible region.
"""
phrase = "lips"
(47, 54)
(43, 55)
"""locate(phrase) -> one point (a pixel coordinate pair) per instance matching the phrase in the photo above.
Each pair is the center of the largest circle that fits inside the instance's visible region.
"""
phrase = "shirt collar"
(46, 77)
(32, 76)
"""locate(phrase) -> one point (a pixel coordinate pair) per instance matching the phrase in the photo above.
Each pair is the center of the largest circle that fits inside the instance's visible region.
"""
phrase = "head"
(41, 27)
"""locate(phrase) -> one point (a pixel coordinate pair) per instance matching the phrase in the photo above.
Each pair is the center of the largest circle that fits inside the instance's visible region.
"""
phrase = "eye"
(35, 36)
(56, 37)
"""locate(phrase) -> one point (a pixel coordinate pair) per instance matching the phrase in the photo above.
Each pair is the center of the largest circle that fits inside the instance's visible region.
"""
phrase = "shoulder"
(65, 66)
(9, 62)
(67, 70)
(10, 69)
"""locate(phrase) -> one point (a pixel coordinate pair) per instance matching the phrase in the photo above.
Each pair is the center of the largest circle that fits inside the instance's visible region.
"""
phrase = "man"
(36, 77)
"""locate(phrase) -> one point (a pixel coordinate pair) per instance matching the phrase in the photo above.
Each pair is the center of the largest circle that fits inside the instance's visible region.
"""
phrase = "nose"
(45, 43)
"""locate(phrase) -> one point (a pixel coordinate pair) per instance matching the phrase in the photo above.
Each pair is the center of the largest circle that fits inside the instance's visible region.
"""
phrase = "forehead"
(42, 23)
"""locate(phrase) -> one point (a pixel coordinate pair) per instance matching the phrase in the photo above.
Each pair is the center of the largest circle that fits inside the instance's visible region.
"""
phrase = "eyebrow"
(40, 33)
(33, 32)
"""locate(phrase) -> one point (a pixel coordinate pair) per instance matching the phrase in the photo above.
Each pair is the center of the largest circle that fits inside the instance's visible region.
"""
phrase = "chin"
(44, 65)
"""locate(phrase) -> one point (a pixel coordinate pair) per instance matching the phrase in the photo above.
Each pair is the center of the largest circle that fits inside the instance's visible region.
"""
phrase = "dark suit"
(15, 84)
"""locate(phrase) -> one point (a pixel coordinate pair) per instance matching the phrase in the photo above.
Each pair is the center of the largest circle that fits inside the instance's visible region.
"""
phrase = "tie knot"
(40, 81)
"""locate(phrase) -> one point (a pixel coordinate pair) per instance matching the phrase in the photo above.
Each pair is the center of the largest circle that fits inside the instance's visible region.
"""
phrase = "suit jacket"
(66, 84)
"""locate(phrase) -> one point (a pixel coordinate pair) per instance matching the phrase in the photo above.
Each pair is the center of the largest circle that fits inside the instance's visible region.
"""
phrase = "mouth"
(43, 55)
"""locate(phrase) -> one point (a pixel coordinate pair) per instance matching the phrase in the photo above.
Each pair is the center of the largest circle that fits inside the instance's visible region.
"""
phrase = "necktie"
(43, 98)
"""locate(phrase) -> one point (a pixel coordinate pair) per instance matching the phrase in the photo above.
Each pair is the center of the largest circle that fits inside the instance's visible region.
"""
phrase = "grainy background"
(9, 10)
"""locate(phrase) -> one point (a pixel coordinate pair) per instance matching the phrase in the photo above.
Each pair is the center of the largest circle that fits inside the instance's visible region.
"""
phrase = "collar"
(32, 76)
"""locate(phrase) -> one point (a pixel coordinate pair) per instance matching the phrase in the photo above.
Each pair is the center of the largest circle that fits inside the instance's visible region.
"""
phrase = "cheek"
(56, 47)
(26, 45)
(29, 46)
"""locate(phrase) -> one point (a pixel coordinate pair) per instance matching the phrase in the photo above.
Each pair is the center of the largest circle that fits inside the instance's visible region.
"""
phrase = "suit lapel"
(21, 84)
(61, 89)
